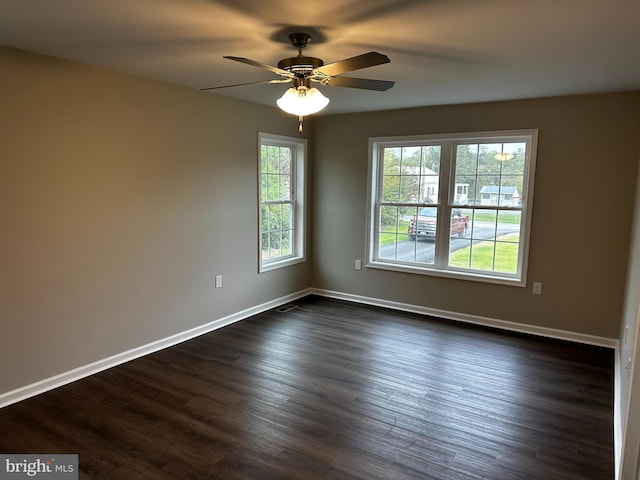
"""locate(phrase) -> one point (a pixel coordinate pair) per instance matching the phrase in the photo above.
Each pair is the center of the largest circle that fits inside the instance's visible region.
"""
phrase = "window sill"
(276, 264)
(435, 272)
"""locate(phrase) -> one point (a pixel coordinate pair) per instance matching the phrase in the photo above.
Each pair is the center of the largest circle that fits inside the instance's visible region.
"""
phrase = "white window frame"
(298, 200)
(446, 203)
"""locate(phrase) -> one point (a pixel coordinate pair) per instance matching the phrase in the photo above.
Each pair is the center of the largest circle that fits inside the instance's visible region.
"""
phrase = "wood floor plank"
(335, 390)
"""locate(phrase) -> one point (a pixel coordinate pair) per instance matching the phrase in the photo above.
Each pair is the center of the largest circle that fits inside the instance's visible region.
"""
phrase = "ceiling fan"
(301, 71)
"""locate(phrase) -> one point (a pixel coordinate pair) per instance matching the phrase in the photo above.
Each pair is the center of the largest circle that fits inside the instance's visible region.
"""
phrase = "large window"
(281, 197)
(453, 205)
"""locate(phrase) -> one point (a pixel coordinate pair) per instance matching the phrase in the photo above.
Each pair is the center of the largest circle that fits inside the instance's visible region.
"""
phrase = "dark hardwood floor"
(340, 391)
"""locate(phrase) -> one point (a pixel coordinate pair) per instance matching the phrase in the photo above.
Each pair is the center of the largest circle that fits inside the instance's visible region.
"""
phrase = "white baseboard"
(474, 319)
(64, 378)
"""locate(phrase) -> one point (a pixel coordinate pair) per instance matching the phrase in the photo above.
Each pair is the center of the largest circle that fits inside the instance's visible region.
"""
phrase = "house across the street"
(498, 195)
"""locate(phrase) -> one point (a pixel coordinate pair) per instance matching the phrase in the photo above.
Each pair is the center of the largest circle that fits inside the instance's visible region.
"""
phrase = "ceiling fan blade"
(364, 83)
(365, 60)
(264, 66)
(284, 80)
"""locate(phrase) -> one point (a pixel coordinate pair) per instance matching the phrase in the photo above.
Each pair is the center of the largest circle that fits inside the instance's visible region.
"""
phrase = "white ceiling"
(441, 51)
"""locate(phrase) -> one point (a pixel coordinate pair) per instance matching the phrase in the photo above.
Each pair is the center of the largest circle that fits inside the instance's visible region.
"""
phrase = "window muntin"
(476, 190)
(281, 196)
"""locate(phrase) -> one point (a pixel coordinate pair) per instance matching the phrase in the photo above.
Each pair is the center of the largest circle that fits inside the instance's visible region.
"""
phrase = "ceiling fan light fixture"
(302, 101)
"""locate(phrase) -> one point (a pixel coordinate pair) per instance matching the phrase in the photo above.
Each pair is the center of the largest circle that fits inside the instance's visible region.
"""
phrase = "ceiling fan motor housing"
(300, 64)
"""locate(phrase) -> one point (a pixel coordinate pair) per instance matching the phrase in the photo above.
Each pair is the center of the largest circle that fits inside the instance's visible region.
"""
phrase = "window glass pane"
(466, 175)
(467, 159)
(494, 173)
(459, 222)
(488, 189)
(286, 246)
(285, 160)
(273, 159)
(417, 251)
(460, 253)
(487, 163)
(275, 177)
(494, 244)
(264, 187)
(422, 226)
(430, 170)
(391, 174)
(484, 224)
(482, 255)
(388, 229)
(506, 257)
(287, 219)
(388, 232)
(509, 225)
(263, 158)
(431, 158)
(275, 244)
(511, 190)
(411, 159)
(465, 192)
(429, 189)
(410, 188)
(277, 232)
(410, 174)
(513, 157)
(391, 188)
(264, 218)
(284, 187)
(398, 240)
(460, 229)
(265, 245)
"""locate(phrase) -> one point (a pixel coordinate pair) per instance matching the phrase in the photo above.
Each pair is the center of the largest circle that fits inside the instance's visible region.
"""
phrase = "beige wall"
(120, 200)
(585, 182)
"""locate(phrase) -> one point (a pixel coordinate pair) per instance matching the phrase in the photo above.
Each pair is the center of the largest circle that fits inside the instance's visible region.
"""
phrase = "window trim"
(299, 197)
(448, 144)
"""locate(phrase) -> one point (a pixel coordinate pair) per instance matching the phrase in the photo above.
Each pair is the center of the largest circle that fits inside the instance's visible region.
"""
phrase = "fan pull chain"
(300, 119)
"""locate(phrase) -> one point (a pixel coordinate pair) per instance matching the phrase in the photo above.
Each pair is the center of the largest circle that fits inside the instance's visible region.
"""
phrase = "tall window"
(453, 205)
(282, 193)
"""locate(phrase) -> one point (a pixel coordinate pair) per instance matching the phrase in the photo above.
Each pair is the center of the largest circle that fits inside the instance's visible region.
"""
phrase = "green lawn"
(490, 216)
(387, 235)
(480, 256)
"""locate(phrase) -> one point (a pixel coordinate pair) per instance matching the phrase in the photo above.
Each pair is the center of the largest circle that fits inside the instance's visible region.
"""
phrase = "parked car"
(424, 224)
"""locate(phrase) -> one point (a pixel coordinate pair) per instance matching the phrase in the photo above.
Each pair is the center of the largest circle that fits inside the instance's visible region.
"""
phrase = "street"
(422, 251)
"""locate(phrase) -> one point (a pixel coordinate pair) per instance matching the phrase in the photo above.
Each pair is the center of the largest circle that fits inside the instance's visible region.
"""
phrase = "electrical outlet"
(358, 264)
(218, 281)
(537, 288)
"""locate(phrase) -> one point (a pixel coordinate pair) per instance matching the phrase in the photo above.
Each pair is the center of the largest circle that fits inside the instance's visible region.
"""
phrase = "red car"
(424, 224)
